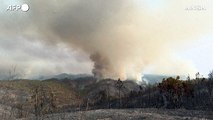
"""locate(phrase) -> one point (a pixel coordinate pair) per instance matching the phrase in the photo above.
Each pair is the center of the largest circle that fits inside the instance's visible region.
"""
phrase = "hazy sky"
(199, 51)
(40, 41)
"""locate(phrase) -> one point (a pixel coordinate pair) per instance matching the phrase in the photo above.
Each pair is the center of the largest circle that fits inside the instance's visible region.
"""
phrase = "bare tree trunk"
(119, 98)
(164, 101)
(87, 105)
(108, 99)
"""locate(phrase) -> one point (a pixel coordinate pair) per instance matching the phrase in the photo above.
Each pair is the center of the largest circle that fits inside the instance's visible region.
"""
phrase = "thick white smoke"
(121, 37)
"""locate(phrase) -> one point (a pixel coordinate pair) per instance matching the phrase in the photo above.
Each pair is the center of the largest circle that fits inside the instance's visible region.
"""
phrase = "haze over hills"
(156, 78)
(64, 76)
(148, 78)
(143, 62)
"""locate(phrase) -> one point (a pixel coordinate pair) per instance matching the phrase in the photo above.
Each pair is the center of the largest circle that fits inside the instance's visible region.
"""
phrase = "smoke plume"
(122, 38)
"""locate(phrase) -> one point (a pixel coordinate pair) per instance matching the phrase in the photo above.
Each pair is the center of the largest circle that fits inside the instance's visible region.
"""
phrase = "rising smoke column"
(121, 39)
(101, 66)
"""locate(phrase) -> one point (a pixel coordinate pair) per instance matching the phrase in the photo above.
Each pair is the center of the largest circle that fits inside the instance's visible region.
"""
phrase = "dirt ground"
(132, 114)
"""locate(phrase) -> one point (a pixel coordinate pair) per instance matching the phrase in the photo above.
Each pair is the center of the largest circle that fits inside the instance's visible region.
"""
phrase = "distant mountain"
(65, 76)
(147, 78)
(154, 78)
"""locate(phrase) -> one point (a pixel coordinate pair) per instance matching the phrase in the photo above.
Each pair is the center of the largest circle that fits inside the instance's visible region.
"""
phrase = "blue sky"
(200, 54)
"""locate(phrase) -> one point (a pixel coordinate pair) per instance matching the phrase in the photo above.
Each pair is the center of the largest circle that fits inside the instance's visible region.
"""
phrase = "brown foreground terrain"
(119, 114)
(133, 114)
(88, 99)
